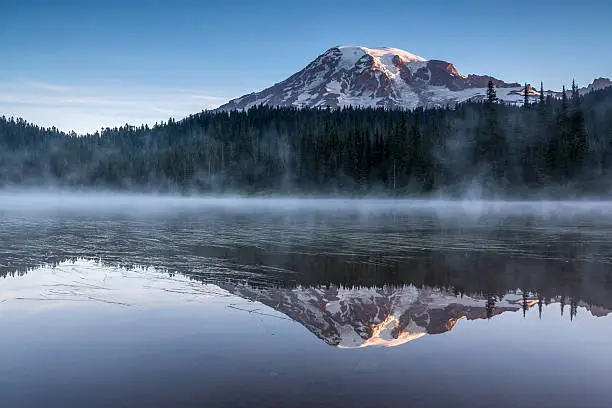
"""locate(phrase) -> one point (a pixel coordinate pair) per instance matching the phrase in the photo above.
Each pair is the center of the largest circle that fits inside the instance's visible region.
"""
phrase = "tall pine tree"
(578, 143)
(575, 93)
(491, 94)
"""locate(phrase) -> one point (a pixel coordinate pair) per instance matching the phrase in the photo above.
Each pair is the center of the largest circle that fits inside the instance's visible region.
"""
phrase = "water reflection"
(387, 316)
(552, 257)
(341, 316)
(227, 308)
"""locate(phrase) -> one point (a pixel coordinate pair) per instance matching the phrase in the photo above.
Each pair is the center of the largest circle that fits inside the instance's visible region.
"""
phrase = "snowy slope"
(375, 77)
(384, 77)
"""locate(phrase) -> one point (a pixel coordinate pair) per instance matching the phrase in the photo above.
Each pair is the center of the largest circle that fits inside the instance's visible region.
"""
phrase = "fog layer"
(45, 202)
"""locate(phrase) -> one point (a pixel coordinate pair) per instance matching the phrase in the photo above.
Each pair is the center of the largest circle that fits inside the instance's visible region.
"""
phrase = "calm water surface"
(158, 302)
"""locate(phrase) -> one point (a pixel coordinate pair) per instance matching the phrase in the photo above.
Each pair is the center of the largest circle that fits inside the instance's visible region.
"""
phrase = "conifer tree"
(575, 93)
(573, 308)
(491, 93)
(540, 301)
(562, 303)
(490, 306)
(491, 146)
(576, 132)
(542, 99)
(526, 96)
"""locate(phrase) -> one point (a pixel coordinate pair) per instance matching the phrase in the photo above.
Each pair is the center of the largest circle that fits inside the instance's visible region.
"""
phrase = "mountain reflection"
(384, 281)
(341, 316)
(487, 276)
(362, 317)
(389, 316)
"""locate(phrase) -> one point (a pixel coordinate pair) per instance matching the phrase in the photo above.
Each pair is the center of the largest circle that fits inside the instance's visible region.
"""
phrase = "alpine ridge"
(384, 77)
(375, 77)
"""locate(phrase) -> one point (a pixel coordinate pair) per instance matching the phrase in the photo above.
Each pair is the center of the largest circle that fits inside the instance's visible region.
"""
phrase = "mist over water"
(43, 201)
(43, 225)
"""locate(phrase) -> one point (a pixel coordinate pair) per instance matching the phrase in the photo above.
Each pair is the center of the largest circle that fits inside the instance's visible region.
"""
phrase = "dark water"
(158, 302)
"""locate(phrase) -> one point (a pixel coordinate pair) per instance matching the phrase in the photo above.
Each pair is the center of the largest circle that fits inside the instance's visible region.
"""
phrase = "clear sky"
(86, 64)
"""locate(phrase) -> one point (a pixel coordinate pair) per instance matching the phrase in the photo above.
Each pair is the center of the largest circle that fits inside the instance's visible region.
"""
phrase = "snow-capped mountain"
(375, 77)
(384, 77)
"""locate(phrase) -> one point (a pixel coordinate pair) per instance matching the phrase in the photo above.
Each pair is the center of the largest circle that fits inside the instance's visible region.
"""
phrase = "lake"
(136, 301)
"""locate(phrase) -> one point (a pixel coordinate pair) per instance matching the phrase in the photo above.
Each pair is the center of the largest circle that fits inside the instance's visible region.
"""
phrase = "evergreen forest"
(559, 147)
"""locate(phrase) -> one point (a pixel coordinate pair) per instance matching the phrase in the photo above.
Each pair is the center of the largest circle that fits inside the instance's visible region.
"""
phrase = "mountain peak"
(597, 85)
(387, 77)
(379, 52)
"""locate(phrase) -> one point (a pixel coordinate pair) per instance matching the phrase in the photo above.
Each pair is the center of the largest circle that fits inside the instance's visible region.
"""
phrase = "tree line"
(554, 145)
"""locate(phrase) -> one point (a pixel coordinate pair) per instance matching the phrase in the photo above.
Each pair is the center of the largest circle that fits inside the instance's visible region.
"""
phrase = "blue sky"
(86, 64)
